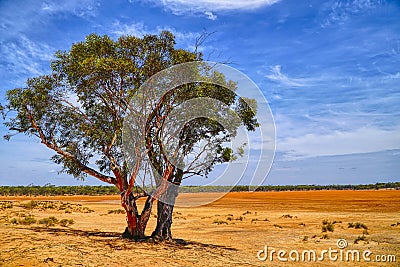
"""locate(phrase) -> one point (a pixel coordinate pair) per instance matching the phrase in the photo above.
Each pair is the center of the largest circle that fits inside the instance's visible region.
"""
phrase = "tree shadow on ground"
(115, 240)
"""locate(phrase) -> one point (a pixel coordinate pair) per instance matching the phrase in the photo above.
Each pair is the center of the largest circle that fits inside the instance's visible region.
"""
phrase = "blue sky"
(330, 71)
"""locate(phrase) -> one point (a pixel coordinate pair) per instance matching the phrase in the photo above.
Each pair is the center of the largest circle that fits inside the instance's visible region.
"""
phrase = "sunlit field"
(86, 230)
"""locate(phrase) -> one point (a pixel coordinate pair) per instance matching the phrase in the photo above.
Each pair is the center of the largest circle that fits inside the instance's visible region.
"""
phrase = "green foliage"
(360, 238)
(78, 109)
(327, 226)
(24, 220)
(51, 190)
(357, 225)
(219, 222)
(66, 222)
(118, 211)
(49, 221)
(6, 205)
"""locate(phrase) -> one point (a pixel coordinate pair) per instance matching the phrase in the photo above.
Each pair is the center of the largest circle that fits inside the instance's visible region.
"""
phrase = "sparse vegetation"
(327, 226)
(259, 220)
(49, 221)
(66, 222)
(117, 211)
(219, 222)
(6, 205)
(357, 225)
(24, 220)
(360, 238)
(55, 205)
(324, 236)
(51, 190)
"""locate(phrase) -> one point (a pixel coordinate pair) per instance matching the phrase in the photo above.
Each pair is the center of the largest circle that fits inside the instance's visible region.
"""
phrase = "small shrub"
(66, 222)
(247, 212)
(218, 222)
(27, 220)
(240, 218)
(6, 205)
(324, 236)
(360, 238)
(14, 221)
(365, 232)
(277, 226)
(229, 218)
(49, 221)
(327, 226)
(357, 225)
(395, 224)
(30, 205)
(287, 216)
(258, 220)
(118, 211)
(302, 224)
(305, 238)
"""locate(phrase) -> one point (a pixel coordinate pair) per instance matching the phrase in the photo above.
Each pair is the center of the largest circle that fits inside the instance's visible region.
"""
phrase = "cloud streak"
(362, 140)
(277, 76)
(208, 7)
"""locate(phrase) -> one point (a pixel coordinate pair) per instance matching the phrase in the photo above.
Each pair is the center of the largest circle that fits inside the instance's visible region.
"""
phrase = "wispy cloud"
(340, 11)
(186, 39)
(209, 7)
(24, 57)
(277, 76)
(362, 140)
(80, 8)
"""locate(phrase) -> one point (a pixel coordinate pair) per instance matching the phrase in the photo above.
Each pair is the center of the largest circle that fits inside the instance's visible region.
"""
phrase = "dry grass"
(228, 232)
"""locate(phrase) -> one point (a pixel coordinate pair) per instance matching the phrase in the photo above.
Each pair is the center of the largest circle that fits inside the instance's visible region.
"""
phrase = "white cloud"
(80, 8)
(186, 39)
(208, 7)
(210, 15)
(276, 75)
(25, 57)
(361, 140)
(341, 11)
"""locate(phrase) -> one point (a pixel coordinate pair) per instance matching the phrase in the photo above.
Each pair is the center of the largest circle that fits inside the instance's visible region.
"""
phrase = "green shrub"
(357, 225)
(27, 220)
(327, 226)
(66, 222)
(360, 238)
(119, 211)
(49, 221)
(218, 222)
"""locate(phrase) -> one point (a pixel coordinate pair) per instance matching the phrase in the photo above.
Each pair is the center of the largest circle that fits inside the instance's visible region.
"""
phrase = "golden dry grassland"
(86, 230)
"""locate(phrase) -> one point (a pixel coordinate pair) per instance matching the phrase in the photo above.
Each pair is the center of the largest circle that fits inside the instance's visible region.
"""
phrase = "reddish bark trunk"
(136, 223)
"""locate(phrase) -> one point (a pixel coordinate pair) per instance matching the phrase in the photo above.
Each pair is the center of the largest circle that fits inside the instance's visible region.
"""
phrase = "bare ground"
(227, 232)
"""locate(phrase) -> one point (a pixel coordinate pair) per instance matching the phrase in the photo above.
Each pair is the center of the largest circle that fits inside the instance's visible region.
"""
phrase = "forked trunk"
(136, 222)
(165, 207)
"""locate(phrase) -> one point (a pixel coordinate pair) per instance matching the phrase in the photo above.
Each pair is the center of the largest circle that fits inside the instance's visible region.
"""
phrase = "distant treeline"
(51, 190)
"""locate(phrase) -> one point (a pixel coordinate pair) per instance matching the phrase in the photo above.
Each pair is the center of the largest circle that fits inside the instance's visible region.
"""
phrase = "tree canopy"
(78, 111)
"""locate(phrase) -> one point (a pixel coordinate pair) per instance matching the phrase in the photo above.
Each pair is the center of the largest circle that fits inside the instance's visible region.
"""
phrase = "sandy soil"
(227, 232)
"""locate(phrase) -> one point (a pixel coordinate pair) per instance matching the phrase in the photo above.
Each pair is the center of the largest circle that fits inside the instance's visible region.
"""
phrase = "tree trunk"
(165, 207)
(136, 222)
